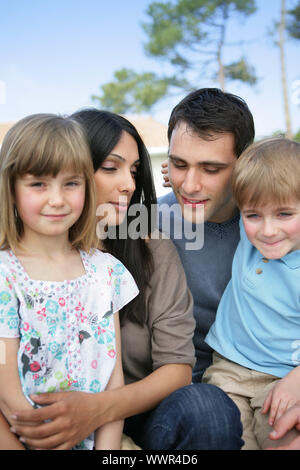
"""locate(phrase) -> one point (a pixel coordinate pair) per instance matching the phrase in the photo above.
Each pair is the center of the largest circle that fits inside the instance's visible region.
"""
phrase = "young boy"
(256, 334)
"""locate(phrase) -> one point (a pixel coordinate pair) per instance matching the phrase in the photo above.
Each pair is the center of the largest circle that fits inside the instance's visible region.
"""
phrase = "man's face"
(200, 173)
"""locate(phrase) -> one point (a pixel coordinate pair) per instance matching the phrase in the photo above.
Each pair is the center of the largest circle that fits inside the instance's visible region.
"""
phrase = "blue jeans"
(196, 417)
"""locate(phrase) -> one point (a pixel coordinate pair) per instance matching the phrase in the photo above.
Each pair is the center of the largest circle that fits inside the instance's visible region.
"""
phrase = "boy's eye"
(251, 216)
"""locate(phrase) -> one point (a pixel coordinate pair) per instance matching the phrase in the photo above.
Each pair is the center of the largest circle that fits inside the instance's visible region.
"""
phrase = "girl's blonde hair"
(45, 144)
(268, 171)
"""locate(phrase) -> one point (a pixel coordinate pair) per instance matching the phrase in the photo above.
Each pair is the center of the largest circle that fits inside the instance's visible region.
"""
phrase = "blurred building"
(153, 133)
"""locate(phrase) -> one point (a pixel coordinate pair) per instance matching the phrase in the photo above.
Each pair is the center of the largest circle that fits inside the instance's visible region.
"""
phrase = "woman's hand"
(73, 416)
(283, 396)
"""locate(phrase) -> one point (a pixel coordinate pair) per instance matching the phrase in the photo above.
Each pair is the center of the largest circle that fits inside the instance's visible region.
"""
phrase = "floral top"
(66, 328)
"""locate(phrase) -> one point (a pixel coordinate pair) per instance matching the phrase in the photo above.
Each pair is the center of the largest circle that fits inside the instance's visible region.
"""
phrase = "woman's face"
(115, 180)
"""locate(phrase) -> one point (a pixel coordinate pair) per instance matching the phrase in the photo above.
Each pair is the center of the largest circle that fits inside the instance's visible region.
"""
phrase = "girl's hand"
(283, 396)
(165, 173)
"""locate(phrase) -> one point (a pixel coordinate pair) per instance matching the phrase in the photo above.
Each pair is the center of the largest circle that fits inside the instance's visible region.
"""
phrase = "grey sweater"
(208, 270)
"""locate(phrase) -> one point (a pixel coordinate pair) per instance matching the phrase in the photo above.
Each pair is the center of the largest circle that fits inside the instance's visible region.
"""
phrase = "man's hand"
(67, 419)
(288, 421)
(165, 173)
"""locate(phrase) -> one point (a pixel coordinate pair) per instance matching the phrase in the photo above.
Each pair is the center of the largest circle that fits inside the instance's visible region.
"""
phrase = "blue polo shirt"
(258, 319)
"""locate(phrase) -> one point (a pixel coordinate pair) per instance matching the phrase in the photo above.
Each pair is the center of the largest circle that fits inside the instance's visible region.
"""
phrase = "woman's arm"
(109, 435)
(11, 395)
(75, 415)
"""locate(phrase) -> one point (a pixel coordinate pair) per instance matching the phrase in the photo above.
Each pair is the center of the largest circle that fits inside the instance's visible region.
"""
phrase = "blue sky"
(55, 54)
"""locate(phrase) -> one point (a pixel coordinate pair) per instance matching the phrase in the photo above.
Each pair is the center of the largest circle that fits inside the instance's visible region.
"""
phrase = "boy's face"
(273, 229)
(200, 173)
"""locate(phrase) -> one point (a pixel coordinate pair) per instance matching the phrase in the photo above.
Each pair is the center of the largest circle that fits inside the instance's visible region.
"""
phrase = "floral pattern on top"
(66, 328)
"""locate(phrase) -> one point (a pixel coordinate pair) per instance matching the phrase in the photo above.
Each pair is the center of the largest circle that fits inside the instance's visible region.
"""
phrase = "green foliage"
(188, 35)
(293, 24)
(297, 136)
(242, 71)
(280, 133)
(135, 92)
(181, 32)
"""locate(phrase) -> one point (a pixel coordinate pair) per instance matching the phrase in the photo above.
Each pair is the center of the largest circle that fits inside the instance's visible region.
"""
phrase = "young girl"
(59, 296)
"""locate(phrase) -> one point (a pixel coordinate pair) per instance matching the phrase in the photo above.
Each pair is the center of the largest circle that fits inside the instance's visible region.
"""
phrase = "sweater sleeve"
(170, 308)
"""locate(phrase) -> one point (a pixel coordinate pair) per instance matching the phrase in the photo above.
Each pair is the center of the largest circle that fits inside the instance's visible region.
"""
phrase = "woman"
(162, 408)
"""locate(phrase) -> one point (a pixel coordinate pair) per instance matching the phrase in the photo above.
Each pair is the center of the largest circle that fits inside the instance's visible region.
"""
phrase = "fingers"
(290, 419)
(44, 436)
(267, 403)
(294, 445)
(38, 431)
(49, 443)
(164, 166)
(38, 415)
(277, 410)
(47, 398)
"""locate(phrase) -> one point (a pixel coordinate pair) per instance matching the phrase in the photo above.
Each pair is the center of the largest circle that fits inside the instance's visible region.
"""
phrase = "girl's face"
(115, 180)
(48, 205)
(273, 229)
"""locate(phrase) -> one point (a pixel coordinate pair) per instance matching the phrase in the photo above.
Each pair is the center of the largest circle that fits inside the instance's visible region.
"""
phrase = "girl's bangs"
(51, 157)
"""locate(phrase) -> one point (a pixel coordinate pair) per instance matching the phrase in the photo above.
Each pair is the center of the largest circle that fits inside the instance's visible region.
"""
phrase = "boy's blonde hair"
(268, 171)
(45, 144)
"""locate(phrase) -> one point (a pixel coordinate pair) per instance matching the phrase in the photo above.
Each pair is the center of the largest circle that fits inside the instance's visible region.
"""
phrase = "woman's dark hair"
(210, 111)
(103, 131)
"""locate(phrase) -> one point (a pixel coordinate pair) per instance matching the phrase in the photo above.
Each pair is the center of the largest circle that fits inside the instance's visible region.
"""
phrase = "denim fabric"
(196, 417)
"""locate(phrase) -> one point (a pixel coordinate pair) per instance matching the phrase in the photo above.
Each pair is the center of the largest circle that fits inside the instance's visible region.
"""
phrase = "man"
(208, 130)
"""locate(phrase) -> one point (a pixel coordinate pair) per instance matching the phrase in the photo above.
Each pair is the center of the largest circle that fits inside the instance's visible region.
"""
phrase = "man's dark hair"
(210, 111)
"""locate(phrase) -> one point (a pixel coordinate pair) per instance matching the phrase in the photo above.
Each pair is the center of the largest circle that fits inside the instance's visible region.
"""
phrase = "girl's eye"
(37, 184)
(285, 214)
